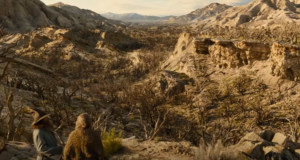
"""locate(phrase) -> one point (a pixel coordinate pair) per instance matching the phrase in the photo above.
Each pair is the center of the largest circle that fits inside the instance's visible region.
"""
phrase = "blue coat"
(46, 145)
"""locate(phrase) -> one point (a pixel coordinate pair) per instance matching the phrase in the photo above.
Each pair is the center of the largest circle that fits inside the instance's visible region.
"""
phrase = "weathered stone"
(275, 149)
(36, 41)
(253, 150)
(17, 150)
(231, 54)
(252, 137)
(279, 139)
(285, 61)
(201, 45)
(267, 135)
(173, 83)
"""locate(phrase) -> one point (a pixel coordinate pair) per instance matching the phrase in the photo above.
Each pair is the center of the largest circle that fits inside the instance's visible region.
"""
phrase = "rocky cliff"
(285, 61)
(282, 59)
(230, 54)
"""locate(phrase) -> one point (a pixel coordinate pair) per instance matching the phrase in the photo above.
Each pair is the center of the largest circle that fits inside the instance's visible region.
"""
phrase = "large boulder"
(173, 83)
(268, 145)
(17, 151)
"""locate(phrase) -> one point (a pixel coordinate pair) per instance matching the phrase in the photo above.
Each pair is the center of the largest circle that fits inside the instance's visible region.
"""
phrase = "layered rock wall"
(284, 58)
(233, 54)
(285, 61)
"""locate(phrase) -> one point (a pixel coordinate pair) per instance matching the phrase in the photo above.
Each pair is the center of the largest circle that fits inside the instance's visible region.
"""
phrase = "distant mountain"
(257, 13)
(201, 13)
(133, 17)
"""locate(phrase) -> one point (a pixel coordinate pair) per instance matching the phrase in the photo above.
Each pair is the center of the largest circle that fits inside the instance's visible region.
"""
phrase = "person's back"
(43, 138)
(45, 144)
(83, 143)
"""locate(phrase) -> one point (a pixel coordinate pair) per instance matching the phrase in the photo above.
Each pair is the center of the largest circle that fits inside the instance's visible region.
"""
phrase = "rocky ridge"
(29, 15)
(200, 14)
(83, 14)
(258, 13)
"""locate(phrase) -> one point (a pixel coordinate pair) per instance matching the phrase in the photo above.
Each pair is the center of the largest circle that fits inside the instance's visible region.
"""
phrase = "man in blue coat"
(44, 138)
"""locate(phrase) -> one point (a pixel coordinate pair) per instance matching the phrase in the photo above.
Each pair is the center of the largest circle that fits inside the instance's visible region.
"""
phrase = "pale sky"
(145, 7)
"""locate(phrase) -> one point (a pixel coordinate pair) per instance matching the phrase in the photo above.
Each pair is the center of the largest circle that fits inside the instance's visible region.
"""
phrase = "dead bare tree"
(12, 114)
(150, 134)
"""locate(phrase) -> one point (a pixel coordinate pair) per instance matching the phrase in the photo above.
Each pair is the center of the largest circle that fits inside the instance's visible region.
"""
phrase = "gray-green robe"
(46, 145)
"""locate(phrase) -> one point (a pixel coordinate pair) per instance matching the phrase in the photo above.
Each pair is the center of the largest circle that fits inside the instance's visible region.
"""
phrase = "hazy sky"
(146, 7)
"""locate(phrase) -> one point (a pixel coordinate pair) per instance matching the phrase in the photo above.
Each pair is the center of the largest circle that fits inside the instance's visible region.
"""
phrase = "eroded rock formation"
(268, 145)
(232, 54)
(283, 59)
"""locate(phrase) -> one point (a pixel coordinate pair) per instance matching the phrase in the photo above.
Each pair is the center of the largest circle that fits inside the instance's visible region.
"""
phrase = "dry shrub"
(112, 143)
(242, 83)
(215, 152)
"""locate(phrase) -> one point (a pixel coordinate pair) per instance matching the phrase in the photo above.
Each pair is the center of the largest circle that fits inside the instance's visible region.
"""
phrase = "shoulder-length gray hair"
(83, 121)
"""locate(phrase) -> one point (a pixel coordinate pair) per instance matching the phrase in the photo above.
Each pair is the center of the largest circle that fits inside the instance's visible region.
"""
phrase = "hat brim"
(37, 121)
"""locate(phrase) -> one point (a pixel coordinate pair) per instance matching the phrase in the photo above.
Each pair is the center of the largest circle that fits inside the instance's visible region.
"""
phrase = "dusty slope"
(201, 13)
(256, 14)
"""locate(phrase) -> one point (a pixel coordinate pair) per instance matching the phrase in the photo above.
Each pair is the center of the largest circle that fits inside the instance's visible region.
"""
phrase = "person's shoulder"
(38, 131)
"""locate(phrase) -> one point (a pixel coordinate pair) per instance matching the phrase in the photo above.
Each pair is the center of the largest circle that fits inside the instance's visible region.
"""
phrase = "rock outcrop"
(285, 61)
(267, 145)
(17, 151)
(172, 83)
(231, 54)
(225, 54)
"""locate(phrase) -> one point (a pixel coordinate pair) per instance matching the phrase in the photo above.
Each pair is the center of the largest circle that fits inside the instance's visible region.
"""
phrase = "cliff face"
(230, 54)
(282, 59)
(285, 61)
